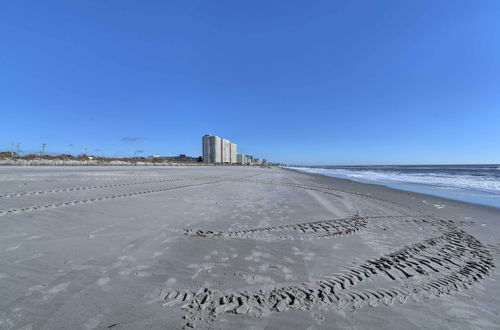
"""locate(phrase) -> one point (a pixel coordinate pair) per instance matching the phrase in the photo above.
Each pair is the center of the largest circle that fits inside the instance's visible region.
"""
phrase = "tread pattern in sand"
(449, 262)
(115, 185)
(97, 199)
(110, 197)
(323, 189)
(317, 229)
(440, 265)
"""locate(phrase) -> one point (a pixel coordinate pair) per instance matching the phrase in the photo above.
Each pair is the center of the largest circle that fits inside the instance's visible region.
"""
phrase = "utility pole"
(18, 151)
(43, 149)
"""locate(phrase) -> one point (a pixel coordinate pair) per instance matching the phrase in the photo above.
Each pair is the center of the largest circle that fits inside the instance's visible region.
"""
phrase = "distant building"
(184, 158)
(217, 150)
(226, 151)
(212, 149)
(233, 158)
(264, 162)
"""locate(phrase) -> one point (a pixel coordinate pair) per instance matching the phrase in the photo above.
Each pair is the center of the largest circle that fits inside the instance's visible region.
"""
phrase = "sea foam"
(448, 178)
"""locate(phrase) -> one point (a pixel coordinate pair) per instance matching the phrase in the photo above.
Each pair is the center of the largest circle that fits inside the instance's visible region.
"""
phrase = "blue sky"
(303, 82)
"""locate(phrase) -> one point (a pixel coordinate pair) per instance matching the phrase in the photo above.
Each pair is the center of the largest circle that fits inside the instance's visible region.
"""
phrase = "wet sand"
(238, 247)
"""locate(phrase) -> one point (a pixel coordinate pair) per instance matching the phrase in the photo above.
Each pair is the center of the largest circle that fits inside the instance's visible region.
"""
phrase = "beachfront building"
(226, 151)
(233, 153)
(217, 150)
(212, 149)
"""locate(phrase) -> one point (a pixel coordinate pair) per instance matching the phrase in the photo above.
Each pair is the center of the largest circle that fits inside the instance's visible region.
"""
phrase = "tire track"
(323, 189)
(89, 200)
(318, 229)
(52, 191)
(440, 265)
(443, 264)
(95, 199)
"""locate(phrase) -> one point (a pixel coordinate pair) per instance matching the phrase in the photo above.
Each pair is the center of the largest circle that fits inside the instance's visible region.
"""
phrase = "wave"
(469, 181)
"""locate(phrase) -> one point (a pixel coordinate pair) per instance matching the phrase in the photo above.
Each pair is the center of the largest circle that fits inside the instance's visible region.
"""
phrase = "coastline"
(171, 247)
(401, 191)
(471, 196)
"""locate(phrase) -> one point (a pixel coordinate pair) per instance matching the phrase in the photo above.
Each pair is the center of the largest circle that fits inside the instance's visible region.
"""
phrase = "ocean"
(478, 184)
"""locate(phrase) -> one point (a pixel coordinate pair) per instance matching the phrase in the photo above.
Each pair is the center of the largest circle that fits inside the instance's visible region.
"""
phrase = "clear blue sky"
(310, 82)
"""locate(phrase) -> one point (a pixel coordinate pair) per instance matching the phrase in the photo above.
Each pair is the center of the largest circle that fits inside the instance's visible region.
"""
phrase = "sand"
(238, 247)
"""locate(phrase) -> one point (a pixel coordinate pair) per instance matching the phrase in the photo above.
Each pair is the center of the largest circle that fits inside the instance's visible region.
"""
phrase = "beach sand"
(238, 247)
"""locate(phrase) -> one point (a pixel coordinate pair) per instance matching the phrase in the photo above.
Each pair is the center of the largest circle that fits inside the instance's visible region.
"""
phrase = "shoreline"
(395, 187)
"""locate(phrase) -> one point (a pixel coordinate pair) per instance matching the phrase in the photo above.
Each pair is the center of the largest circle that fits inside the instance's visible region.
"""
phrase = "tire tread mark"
(93, 200)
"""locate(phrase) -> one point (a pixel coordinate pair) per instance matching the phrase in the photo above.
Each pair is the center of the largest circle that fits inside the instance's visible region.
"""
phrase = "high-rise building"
(218, 150)
(212, 149)
(226, 151)
(233, 153)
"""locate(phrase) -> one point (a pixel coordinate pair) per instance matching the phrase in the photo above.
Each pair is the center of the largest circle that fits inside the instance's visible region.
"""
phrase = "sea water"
(471, 183)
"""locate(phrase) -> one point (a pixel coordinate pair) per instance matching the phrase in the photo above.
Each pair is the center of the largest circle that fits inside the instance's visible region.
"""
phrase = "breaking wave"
(485, 178)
